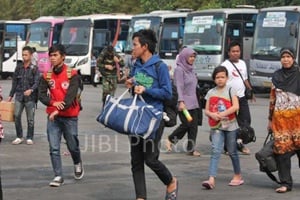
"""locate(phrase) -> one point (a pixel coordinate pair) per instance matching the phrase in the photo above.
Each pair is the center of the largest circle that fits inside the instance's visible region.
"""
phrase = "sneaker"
(18, 141)
(78, 171)
(29, 142)
(57, 181)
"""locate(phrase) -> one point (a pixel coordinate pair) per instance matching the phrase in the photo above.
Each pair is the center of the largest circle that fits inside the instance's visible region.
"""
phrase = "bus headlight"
(83, 61)
(252, 71)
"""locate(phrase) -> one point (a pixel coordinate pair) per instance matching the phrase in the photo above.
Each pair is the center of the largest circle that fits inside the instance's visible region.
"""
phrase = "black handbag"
(246, 134)
(266, 158)
(248, 92)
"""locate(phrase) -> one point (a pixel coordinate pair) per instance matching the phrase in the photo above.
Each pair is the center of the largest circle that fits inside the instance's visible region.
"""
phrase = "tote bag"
(130, 116)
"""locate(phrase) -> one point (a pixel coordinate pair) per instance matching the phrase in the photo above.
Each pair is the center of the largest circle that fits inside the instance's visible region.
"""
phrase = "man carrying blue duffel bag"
(155, 87)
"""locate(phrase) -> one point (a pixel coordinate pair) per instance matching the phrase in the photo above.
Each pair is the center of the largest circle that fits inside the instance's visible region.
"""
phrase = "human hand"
(216, 116)
(129, 83)
(9, 99)
(60, 105)
(28, 92)
(269, 127)
(109, 67)
(52, 115)
(253, 100)
(181, 106)
(139, 89)
(116, 59)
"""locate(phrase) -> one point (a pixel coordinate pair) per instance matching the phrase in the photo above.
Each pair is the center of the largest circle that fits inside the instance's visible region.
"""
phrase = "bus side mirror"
(46, 34)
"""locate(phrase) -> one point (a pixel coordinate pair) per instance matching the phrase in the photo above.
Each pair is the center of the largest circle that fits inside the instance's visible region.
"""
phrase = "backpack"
(69, 75)
(170, 105)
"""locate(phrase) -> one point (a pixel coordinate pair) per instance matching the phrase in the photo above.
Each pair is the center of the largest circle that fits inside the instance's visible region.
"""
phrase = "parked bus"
(276, 27)
(43, 33)
(168, 26)
(12, 40)
(209, 33)
(86, 35)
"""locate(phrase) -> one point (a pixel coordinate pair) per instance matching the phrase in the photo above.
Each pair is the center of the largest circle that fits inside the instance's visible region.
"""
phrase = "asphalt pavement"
(26, 170)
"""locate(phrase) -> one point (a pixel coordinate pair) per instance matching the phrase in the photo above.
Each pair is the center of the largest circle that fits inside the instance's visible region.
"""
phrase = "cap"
(288, 51)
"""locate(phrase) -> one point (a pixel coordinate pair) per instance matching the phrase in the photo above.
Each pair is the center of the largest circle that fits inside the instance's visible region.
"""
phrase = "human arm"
(248, 85)
(35, 85)
(45, 97)
(214, 115)
(72, 91)
(271, 106)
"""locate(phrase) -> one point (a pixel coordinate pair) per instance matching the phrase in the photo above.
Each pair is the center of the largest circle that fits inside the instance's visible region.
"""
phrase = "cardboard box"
(7, 111)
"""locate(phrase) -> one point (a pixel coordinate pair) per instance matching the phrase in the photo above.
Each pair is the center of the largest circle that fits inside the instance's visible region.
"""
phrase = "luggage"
(130, 116)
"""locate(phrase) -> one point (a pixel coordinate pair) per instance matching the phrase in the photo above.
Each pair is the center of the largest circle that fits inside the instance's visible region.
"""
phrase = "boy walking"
(63, 109)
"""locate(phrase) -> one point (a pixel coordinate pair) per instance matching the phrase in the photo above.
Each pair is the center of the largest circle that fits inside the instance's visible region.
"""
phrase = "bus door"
(234, 32)
(101, 39)
(10, 46)
(1, 48)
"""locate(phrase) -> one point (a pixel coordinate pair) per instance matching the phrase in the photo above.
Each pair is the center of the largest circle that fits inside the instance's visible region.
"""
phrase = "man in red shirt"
(63, 110)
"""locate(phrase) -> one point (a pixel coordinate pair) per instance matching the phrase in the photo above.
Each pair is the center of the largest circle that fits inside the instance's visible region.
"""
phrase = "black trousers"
(284, 169)
(147, 152)
(93, 72)
(191, 128)
(244, 117)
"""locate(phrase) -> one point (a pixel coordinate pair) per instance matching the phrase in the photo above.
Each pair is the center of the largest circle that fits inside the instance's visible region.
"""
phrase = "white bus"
(168, 26)
(276, 27)
(209, 33)
(12, 40)
(86, 35)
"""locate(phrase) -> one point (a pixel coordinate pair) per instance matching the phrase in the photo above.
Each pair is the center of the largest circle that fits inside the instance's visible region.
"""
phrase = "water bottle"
(187, 115)
(222, 108)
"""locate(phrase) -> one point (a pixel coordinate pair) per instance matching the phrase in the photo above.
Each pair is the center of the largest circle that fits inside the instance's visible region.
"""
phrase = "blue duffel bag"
(130, 116)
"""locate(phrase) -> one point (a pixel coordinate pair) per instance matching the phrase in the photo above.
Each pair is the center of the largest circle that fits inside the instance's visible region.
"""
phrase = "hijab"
(183, 57)
(288, 79)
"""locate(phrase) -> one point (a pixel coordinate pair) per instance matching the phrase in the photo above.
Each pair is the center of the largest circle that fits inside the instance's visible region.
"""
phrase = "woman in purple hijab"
(186, 82)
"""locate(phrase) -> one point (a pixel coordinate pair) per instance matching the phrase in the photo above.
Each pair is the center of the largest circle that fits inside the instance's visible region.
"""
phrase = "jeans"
(147, 151)
(68, 127)
(218, 138)
(191, 128)
(30, 111)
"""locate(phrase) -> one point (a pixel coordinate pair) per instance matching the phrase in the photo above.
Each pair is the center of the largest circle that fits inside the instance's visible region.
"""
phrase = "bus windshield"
(138, 23)
(203, 33)
(274, 30)
(39, 36)
(75, 37)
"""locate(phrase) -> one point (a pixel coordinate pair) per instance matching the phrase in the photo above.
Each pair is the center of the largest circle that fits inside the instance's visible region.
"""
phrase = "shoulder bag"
(130, 116)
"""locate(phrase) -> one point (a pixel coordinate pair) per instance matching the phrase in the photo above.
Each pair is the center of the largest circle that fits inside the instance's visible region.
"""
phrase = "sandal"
(236, 182)
(283, 189)
(246, 151)
(172, 195)
(208, 185)
(194, 153)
